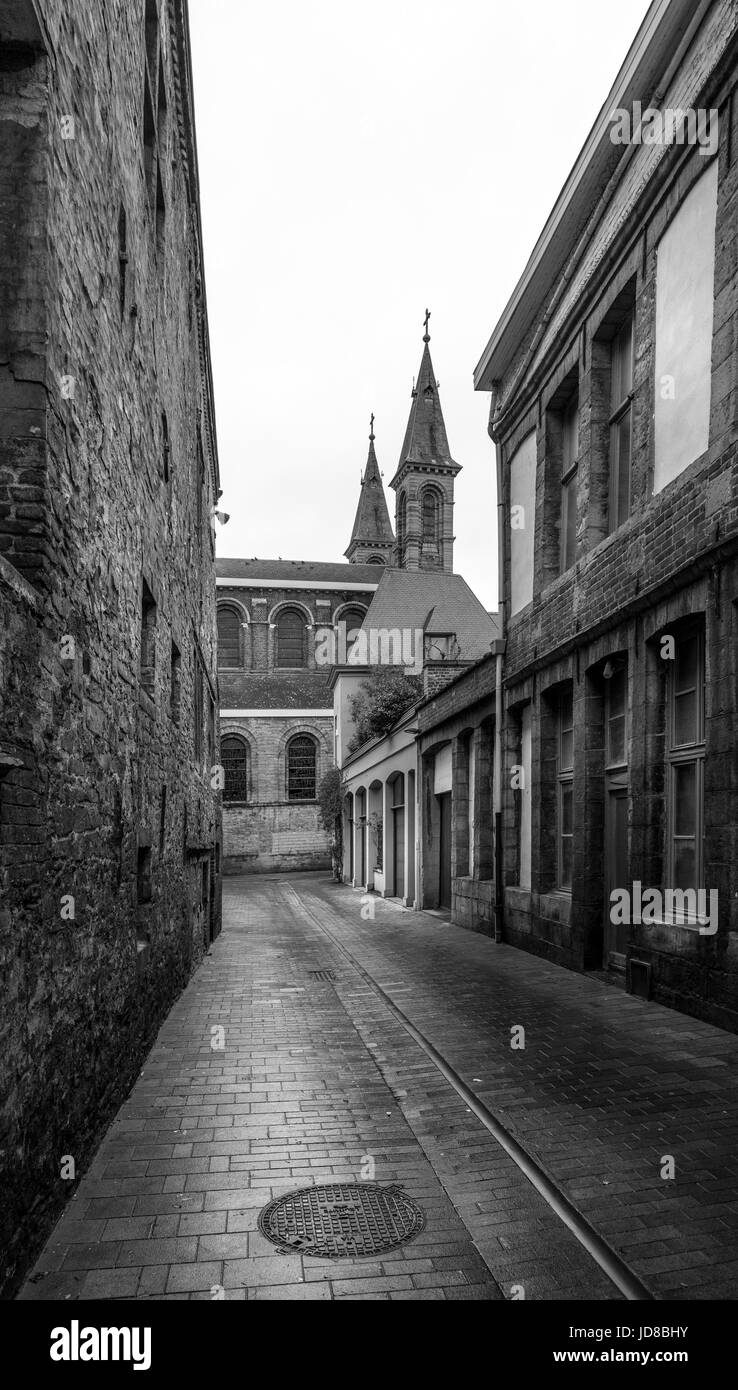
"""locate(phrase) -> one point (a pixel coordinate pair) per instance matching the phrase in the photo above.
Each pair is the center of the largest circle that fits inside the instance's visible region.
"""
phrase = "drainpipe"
(502, 606)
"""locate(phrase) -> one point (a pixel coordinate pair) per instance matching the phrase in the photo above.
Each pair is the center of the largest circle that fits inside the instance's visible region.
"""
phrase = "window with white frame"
(686, 763)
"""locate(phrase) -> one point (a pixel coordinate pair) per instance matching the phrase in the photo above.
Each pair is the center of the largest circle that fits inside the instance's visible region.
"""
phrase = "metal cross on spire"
(426, 335)
(371, 428)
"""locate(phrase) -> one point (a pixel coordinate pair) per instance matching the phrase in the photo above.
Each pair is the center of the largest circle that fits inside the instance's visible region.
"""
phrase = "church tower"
(424, 481)
(372, 539)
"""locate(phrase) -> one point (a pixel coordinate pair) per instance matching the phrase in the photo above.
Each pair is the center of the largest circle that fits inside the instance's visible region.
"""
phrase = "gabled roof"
(308, 571)
(372, 526)
(436, 602)
(426, 442)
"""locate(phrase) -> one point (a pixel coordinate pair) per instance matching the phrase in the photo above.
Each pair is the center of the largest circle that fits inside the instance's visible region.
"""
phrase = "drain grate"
(323, 974)
(336, 1220)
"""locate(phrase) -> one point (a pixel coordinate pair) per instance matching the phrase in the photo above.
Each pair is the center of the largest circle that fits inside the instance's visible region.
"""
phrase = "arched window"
(291, 638)
(301, 760)
(353, 618)
(401, 529)
(234, 757)
(229, 637)
(431, 517)
(375, 560)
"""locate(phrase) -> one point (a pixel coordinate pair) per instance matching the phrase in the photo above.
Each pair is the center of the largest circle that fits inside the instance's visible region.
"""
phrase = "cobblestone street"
(317, 1076)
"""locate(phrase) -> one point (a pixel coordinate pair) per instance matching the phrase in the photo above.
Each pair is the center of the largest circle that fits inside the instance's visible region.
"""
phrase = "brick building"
(613, 376)
(109, 826)
(276, 704)
(400, 838)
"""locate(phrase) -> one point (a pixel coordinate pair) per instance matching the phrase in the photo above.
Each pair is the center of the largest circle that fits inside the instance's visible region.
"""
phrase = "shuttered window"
(229, 632)
(301, 769)
(234, 757)
(291, 638)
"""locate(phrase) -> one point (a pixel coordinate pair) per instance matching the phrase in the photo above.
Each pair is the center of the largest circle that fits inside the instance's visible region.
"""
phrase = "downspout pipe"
(502, 608)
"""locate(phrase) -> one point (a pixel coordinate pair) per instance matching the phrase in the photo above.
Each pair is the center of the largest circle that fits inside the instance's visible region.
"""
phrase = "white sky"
(357, 163)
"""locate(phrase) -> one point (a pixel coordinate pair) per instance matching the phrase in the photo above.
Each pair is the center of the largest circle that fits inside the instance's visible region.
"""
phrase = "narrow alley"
(287, 1062)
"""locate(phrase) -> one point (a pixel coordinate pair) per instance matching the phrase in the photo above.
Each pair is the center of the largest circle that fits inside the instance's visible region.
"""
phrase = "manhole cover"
(323, 974)
(342, 1219)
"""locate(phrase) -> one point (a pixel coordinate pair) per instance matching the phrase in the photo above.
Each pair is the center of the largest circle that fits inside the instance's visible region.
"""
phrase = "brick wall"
(673, 560)
(463, 715)
(110, 835)
(272, 834)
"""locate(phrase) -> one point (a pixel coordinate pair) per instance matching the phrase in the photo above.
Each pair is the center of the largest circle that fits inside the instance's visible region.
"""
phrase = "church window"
(234, 757)
(431, 517)
(401, 529)
(301, 760)
(291, 638)
(229, 632)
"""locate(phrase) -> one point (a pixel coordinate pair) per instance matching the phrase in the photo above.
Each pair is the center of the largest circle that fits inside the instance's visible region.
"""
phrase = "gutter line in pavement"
(617, 1270)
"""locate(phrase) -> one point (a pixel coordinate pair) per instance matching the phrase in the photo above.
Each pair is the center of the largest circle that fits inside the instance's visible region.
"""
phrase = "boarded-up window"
(229, 630)
(234, 757)
(301, 769)
(291, 638)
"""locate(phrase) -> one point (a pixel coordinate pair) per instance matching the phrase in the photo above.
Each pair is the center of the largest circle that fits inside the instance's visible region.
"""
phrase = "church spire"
(372, 539)
(424, 480)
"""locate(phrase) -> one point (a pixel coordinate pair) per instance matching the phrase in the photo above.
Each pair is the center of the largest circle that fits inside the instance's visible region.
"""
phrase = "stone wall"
(674, 560)
(110, 838)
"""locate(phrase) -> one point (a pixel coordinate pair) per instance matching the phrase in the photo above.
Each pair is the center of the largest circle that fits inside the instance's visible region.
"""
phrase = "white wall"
(685, 279)
(522, 522)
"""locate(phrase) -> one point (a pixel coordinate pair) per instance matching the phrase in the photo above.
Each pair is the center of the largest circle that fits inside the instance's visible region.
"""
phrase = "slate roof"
(438, 603)
(275, 689)
(306, 571)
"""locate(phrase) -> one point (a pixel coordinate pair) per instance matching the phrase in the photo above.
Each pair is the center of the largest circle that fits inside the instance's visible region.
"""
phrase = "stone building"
(399, 836)
(276, 704)
(109, 825)
(614, 407)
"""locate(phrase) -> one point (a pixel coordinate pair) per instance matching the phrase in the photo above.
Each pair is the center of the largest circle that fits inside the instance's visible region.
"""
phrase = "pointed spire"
(426, 441)
(372, 536)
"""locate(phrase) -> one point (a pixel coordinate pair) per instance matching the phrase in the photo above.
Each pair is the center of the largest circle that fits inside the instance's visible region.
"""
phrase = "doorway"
(616, 873)
(398, 836)
(444, 878)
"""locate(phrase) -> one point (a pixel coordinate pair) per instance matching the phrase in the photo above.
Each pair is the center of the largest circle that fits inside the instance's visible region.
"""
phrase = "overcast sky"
(359, 163)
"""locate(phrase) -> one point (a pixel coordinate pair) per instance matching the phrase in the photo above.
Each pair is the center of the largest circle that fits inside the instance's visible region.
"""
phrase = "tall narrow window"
(148, 639)
(229, 635)
(621, 423)
(154, 118)
(198, 710)
(686, 763)
(616, 710)
(431, 519)
(164, 446)
(234, 757)
(291, 638)
(122, 260)
(175, 692)
(353, 618)
(401, 529)
(569, 467)
(301, 758)
(565, 825)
